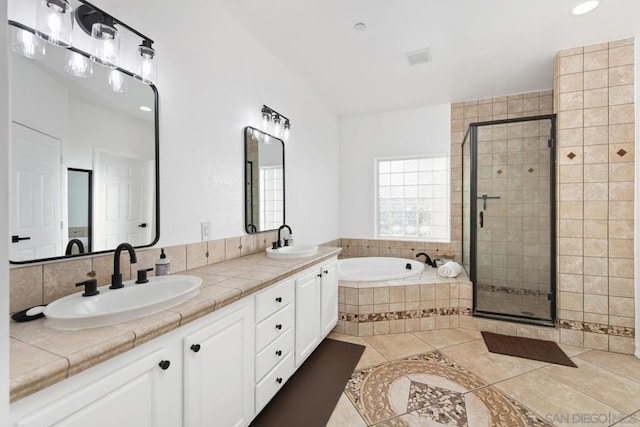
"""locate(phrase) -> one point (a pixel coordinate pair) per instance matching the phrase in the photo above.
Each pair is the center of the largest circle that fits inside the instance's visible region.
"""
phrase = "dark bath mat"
(311, 394)
(528, 348)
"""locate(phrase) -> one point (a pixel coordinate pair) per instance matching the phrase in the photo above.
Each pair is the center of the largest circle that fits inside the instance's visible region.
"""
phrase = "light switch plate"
(205, 228)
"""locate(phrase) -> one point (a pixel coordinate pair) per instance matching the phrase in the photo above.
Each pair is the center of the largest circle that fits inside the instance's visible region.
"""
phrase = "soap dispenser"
(163, 264)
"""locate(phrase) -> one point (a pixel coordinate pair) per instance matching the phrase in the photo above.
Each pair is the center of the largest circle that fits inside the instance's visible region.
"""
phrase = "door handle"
(16, 238)
(481, 219)
(143, 225)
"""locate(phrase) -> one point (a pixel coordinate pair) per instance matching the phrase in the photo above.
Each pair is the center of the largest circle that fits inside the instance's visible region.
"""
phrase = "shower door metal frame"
(472, 138)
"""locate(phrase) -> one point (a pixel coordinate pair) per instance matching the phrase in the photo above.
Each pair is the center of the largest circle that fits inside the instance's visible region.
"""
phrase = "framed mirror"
(264, 181)
(84, 155)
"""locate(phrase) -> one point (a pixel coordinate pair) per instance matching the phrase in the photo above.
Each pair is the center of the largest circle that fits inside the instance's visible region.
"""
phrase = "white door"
(122, 211)
(36, 194)
(307, 315)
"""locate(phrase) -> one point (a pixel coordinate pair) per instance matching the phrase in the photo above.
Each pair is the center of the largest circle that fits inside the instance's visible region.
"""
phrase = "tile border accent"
(406, 314)
(597, 328)
(511, 291)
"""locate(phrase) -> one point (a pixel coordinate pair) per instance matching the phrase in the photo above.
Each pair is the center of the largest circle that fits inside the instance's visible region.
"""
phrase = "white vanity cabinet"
(316, 307)
(275, 317)
(142, 387)
(218, 369)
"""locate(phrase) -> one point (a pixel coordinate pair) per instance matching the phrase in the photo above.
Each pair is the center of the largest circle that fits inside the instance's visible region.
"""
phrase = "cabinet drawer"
(273, 299)
(273, 326)
(274, 353)
(274, 380)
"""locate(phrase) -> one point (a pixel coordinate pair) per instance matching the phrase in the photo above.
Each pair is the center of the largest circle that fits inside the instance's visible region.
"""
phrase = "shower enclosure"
(509, 218)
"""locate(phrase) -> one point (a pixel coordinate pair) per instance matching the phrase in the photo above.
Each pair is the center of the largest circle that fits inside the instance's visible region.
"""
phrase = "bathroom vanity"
(219, 366)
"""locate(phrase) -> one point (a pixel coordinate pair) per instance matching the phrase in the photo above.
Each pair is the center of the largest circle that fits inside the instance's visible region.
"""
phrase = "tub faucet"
(427, 259)
(116, 277)
(283, 226)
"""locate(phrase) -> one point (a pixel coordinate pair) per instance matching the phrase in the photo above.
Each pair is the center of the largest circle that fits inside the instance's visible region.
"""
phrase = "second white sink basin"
(113, 306)
(294, 251)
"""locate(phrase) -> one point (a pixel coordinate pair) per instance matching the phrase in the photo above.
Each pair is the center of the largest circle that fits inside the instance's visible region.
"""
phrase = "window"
(413, 198)
(271, 203)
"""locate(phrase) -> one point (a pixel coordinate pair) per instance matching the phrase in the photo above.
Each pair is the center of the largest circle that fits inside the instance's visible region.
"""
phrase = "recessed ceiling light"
(359, 27)
(584, 7)
(145, 108)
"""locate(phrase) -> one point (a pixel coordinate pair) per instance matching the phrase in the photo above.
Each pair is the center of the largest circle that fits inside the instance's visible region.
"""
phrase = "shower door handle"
(481, 219)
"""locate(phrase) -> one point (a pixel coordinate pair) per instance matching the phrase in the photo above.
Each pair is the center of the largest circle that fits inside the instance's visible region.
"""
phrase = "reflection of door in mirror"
(35, 194)
(122, 209)
(79, 202)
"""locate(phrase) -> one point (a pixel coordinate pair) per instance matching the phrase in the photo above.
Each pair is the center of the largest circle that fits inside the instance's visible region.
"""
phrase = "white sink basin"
(113, 306)
(295, 251)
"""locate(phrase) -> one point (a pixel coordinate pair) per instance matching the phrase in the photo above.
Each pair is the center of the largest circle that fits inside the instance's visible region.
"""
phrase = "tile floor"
(447, 377)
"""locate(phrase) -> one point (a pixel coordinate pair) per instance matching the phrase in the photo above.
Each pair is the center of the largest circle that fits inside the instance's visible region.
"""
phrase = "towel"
(450, 269)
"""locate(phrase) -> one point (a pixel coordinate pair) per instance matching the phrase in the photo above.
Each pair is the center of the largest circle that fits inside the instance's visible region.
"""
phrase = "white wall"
(4, 229)
(213, 79)
(364, 138)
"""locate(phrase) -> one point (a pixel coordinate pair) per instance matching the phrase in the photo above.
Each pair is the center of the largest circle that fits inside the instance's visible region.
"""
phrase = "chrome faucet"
(116, 277)
(279, 231)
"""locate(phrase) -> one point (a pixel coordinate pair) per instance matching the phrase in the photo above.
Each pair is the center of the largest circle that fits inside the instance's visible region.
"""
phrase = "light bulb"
(266, 120)
(26, 44)
(117, 82)
(146, 71)
(54, 22)
(78, 65)
(277, 126)
(287, 130)
(106, 41)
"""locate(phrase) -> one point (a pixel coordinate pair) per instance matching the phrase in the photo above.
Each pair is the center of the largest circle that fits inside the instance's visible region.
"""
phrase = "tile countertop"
(41, 356)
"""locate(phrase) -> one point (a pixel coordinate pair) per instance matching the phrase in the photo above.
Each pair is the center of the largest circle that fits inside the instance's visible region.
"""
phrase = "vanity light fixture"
(106, 38)
(78, 65)
(276, 123)
(584, 7)
(54, 22)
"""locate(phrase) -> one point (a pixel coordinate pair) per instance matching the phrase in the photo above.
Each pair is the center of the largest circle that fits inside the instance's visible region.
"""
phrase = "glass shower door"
(509, 194)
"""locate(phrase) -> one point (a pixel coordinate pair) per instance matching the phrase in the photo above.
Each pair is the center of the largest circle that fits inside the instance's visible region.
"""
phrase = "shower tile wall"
(594, 100)
(512, 161)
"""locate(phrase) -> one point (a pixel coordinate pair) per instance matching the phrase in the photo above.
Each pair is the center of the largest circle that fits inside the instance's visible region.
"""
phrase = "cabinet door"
(219, 370)
(135, 392)
(307, 315)
(329, 297)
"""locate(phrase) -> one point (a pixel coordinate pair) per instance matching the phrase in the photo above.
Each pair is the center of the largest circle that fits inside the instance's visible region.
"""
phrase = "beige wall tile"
(596, 60)
(621, 56)
(596, 304)
(621, 344)
(621, 114)
(25, 287)
(596, 79)
(621, 267)
(596, 172)
(596, 135)
(596, 285)
(177, 256)
(232, 248)
(620, 75)
(596, 341)
(571, 64)
(621, 95)
(572, 137)
(571, 301)
(596, 98)
(596, 210)
(596, 247)
(196, 255)
(621, 287)
(621, 229)
(60, 278)
(216, 250)
(570, 337)
(571, 101)
(596, 154)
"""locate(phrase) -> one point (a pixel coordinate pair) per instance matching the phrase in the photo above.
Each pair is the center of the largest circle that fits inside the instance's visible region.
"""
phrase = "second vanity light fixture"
(275, 123)
(54, 24)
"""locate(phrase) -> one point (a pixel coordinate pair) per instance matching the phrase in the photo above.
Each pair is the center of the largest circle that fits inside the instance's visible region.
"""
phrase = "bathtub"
(367, 269)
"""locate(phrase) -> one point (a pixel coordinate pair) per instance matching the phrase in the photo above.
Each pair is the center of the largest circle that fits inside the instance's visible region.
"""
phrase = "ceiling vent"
(421, 56)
